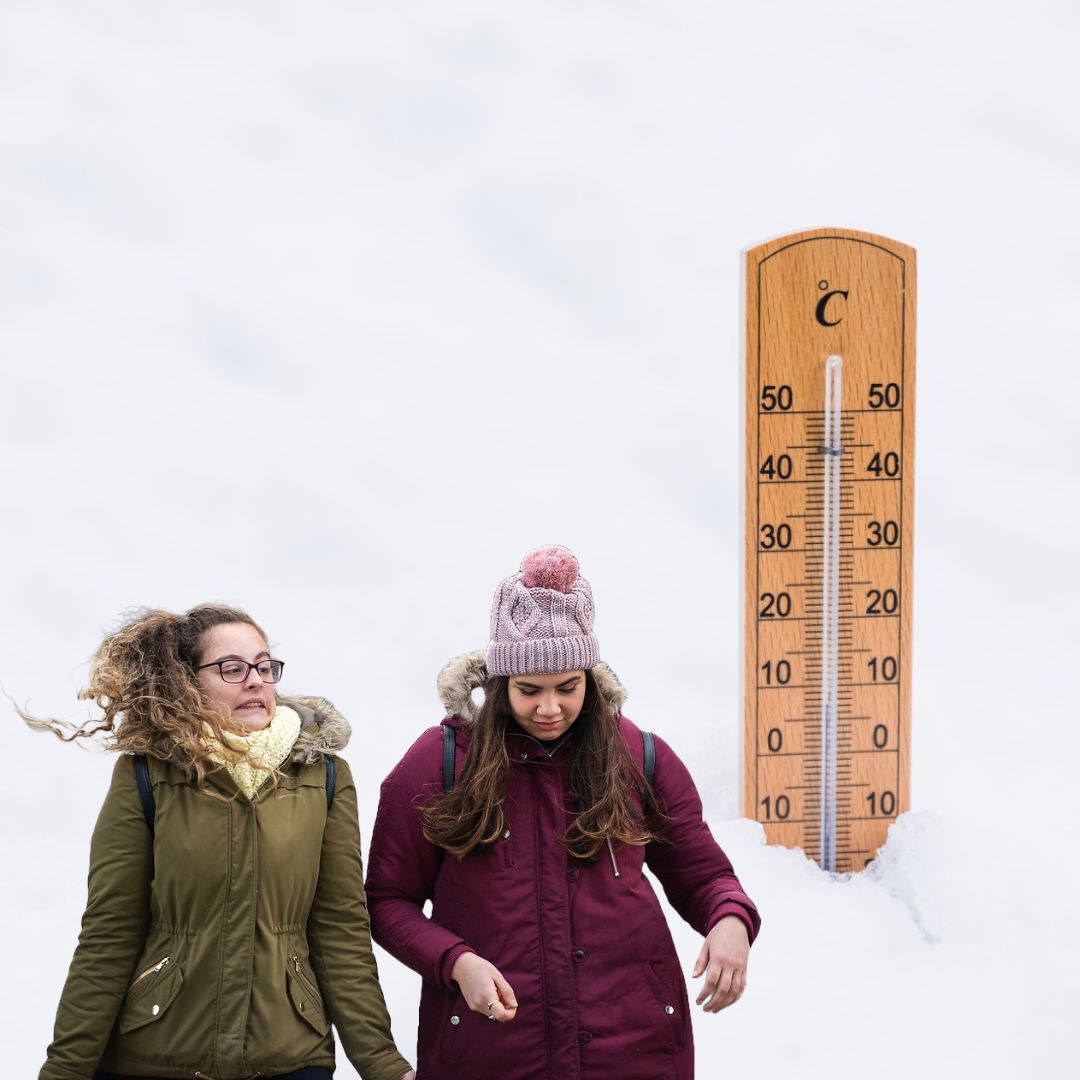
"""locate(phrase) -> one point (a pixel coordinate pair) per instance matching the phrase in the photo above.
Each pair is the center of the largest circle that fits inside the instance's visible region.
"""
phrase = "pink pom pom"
(549, 568)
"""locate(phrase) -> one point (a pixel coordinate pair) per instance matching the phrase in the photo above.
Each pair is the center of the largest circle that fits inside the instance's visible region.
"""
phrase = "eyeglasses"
(237, 671)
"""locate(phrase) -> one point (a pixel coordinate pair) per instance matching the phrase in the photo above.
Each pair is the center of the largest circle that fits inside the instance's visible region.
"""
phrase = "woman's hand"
(485, 991)
(723, 959)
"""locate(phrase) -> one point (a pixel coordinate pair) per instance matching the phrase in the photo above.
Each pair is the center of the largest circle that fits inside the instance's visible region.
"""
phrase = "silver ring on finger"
(492, 1004)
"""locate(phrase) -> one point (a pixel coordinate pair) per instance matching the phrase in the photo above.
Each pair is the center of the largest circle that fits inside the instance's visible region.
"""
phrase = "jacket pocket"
(665, 981)
(449, 1043)
(505, 846)
(305, 997)
(150, 994)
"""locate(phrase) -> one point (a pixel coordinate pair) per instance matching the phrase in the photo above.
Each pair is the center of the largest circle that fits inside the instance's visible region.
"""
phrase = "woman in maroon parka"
(527, 822)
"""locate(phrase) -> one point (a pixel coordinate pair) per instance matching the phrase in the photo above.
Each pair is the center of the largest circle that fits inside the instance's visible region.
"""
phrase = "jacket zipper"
(302, 976)
(614, 861)
(150, 971)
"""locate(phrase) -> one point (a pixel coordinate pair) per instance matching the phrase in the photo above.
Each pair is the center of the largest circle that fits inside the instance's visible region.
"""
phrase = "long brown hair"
(603, 774)
(143, 679)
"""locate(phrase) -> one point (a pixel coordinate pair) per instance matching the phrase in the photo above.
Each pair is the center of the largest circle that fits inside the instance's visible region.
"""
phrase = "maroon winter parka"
(583, 944)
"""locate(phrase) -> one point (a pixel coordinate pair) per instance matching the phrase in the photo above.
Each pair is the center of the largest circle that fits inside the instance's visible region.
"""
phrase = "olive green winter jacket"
(226, 945)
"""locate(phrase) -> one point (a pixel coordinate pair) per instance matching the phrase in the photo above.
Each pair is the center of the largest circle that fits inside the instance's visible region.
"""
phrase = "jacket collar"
(522, 747)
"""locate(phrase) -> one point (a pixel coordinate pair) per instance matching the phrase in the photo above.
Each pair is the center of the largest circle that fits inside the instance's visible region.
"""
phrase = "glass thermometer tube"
(830, 609)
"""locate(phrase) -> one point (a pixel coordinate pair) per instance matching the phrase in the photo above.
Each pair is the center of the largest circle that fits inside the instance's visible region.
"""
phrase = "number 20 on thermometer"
(829, 438)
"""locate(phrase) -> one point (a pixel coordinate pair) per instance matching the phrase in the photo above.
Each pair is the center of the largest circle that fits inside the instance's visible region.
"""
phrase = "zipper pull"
(614, 861)
(149, 971)
(296, 963)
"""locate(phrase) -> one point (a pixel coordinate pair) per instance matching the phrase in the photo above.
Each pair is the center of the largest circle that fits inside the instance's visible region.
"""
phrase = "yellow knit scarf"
(263, 750)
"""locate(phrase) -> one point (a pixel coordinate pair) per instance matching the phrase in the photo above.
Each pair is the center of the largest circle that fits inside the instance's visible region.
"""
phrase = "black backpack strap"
(649, 765)
(449, 745)
(331, 779)
(146, 789)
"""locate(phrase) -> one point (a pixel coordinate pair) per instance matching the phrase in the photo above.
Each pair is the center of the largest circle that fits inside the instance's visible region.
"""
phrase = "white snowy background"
(333, 310)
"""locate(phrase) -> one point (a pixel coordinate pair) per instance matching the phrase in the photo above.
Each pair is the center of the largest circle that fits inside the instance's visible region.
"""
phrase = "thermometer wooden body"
(830, 421)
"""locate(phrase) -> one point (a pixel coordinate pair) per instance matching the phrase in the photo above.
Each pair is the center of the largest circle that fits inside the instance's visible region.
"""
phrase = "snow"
(334, 310)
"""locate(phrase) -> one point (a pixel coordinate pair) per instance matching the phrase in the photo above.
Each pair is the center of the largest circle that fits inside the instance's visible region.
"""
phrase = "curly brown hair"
(143, 678)
(603, 774)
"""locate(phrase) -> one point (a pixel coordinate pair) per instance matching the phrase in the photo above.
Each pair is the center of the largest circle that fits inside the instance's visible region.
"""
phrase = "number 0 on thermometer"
(830, 423)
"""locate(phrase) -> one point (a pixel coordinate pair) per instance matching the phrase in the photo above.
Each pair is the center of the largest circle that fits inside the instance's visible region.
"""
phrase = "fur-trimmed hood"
(324, 732)
(466, 673)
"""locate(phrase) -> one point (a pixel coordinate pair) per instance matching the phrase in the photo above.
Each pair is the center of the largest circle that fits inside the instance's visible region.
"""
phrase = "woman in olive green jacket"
(224, 940)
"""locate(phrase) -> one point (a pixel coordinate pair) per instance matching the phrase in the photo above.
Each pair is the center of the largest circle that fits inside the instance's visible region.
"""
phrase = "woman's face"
(249, 704)
(546, 706)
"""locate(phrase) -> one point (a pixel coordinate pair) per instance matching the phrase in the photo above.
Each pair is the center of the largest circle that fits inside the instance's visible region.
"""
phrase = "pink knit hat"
(542, 617)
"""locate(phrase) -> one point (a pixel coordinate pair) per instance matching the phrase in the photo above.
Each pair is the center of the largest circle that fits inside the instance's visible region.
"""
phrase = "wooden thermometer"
(830, 423)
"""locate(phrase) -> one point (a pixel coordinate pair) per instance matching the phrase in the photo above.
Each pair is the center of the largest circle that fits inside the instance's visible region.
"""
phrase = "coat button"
(506, 835)
(155, 1010)
(455, 1020)
(578, 956)
(669, 1009)
(573, 875)
(584, 1036)
(524, 757)
(301, 1006)
(572, 796)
